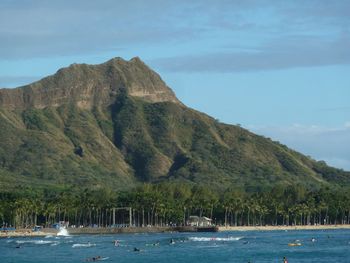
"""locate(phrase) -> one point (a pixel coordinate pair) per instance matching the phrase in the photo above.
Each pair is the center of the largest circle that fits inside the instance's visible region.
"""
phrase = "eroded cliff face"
(90, 85)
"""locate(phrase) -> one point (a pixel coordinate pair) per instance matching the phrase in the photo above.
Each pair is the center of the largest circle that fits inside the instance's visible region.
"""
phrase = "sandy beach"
(25, 233)
(46, 232)
(273, 228)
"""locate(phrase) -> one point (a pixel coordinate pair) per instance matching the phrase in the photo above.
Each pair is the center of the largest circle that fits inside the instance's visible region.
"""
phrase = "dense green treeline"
(173, 203)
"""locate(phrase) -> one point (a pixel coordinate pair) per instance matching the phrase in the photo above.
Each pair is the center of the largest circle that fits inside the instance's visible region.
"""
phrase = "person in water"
(136, 249)
(285, 260)
(172, 241)
(94, 258)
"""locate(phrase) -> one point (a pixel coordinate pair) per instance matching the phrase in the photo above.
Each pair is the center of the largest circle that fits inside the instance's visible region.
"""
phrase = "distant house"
(37, 228)
(64, 224)
(199, 221)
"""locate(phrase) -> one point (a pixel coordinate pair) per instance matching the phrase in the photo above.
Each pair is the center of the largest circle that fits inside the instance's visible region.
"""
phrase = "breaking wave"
(63, 232)
(36, 242)
(208, 239)
(83, 245)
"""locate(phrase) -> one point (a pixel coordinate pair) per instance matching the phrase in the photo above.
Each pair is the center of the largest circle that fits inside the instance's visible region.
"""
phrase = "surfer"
(116, 243)
(97, 258)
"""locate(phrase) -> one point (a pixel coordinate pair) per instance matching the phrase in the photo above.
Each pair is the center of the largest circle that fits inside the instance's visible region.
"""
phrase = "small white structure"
(199, 221)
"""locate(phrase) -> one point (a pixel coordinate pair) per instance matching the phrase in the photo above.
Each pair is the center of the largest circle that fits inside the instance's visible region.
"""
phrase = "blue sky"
(278, 68)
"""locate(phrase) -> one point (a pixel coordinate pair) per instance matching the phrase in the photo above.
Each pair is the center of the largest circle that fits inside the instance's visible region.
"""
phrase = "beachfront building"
(199, 221)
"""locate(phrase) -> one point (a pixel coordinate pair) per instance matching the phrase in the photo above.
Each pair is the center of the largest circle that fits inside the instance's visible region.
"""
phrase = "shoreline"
(134, 230)
(282, 228)
(102, 231)
(26, 233)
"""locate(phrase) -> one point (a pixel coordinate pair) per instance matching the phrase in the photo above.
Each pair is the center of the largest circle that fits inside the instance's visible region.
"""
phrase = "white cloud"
(286, 52)
(330, 144)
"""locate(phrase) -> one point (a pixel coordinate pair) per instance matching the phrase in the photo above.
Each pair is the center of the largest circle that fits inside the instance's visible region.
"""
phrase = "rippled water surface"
(272, 246)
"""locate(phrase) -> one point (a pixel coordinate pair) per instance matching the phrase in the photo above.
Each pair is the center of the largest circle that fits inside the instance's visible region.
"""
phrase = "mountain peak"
(88, 85)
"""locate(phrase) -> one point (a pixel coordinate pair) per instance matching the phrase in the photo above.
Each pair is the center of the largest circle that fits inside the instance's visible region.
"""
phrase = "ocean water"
(256, 246)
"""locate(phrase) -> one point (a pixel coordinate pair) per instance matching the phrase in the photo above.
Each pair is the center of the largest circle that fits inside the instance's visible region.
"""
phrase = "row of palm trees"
(172, 204)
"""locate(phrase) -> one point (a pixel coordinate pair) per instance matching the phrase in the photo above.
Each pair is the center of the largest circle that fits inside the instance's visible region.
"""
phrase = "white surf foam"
(63, 232)
(36, 242)
(78, 245)
(208, 239)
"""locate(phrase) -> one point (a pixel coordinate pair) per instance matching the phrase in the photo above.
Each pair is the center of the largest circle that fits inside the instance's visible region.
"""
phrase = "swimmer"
(285, 260)
(136, 249)
(172, 242)
(94, 258)
(116, 243)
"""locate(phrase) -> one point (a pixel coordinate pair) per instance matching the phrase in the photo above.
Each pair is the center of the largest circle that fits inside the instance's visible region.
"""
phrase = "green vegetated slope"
(117, 124)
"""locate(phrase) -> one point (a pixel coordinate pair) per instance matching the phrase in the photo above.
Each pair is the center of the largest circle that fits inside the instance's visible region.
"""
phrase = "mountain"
(118, 124)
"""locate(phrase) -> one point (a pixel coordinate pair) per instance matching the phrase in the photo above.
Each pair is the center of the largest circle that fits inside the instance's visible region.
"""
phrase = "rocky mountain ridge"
(118, 124)
(89, 85)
